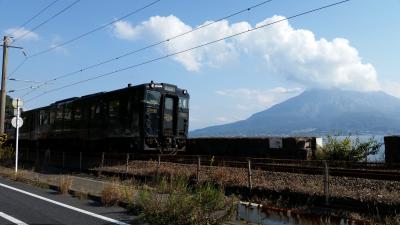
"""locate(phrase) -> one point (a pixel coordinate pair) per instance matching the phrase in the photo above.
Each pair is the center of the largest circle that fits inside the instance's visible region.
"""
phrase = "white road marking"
(65, 205)
(12, 219)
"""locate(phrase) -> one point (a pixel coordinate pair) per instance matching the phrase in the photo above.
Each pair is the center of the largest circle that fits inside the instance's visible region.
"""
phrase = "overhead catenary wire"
(36, 27)
(81, 35)
(34, 16)
(187, 50)
(93, 30)
(148, 46)
(47, 20)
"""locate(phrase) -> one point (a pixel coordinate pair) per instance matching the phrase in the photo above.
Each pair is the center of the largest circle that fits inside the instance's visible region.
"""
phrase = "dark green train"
(147, 117)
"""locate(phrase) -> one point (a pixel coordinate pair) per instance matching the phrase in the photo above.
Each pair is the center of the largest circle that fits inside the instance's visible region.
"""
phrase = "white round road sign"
(14, 122)
(17, 103)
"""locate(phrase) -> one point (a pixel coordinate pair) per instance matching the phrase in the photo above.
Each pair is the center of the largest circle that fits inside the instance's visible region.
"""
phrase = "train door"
(169, 119)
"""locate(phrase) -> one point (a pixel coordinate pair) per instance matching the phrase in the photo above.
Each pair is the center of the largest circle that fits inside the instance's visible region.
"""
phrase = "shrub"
(183, 205)
(347, 149)
(7, 153)
(111, 194)
(65, 184)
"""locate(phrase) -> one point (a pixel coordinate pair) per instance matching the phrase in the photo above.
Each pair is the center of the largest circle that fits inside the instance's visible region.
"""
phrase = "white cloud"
(253, 100)
(22, 33)
(124, 30)
(292, 54)
(56, 40)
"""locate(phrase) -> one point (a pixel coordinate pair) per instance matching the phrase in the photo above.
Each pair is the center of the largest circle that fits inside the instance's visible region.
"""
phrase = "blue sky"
(352, 46)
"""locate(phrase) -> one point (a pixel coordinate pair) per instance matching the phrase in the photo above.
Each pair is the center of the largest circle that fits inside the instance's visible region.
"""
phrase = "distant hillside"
(317, 112)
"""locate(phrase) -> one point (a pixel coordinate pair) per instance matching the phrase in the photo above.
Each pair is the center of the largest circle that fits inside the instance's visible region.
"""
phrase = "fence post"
(326, 182)
(198, 169)
(63, 160)
(127, 163)
(250, 184)
(37, 158)
(158, 165)
(102, 160)
(80, 161)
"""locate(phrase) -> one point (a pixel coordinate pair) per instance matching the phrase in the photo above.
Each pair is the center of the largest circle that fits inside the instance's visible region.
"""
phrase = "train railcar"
(261, 147)
(146, 117)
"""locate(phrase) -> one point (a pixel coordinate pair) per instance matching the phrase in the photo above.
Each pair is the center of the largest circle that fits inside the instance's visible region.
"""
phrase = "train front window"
(153, 97)
(183, 103)
(169, 103)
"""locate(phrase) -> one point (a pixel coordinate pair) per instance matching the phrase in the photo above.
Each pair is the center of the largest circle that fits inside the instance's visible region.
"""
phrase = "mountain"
(318, 112)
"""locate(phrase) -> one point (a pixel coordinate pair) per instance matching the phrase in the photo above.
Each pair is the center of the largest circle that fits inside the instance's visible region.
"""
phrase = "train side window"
(43, 118)
(113, 108)
(98, 110)
(77, 113)
(92, 111)
(52, 117)
(153, 97)
(59, 115)
(183, 103)
(67, 112)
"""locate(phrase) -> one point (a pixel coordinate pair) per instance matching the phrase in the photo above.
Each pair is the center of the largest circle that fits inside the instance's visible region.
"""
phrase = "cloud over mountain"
(292, 54)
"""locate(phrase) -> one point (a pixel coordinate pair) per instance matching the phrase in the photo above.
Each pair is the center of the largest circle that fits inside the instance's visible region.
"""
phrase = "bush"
(111, 194)
(347, 149)
(183, 205)
(115, 192)
(6, 153)
(65, 184)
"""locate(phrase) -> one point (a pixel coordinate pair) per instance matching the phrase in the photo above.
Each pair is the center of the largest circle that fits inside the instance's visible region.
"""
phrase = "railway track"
(334, 171)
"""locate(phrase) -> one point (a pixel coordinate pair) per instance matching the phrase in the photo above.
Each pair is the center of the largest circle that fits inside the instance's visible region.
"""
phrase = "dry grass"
(65, 184)
(111, 194)
(115, 192)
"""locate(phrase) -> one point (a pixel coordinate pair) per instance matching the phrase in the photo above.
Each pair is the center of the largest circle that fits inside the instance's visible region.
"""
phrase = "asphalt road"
(32, 205)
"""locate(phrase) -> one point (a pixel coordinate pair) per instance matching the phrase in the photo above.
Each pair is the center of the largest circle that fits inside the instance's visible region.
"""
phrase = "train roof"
(129, 86)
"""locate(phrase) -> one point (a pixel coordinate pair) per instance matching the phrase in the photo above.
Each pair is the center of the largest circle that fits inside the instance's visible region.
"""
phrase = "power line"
(33, 17)
(47, 20)
(94, 30)
(18, 67)
(82, 35)
(187, 50)
(149, 46)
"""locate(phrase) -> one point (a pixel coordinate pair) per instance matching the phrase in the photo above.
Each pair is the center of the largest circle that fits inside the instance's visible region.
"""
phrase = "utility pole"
(3, 82)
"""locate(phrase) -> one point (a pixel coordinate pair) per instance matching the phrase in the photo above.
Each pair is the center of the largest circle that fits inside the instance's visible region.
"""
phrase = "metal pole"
(80, 161)
(16, 138)
(198, 168)
(157, 167)
(63, 160)
(250, 184)
(326, 182)
(127, 163)
(3, 84)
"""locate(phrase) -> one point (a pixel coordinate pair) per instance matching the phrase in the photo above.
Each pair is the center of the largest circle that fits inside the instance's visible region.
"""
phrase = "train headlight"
(152, 84)
(184, 92)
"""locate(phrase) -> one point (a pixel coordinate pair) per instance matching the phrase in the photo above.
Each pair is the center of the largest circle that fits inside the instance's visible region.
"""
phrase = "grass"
(395, 220)
(175, 202)
(65, 184)
(115, 192)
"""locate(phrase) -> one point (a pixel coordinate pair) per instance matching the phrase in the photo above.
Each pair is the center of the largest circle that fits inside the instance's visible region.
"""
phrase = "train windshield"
(153, 97)
(183, 103)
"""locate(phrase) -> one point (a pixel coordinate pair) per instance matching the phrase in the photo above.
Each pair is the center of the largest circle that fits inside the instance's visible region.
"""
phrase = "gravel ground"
(355, 188)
